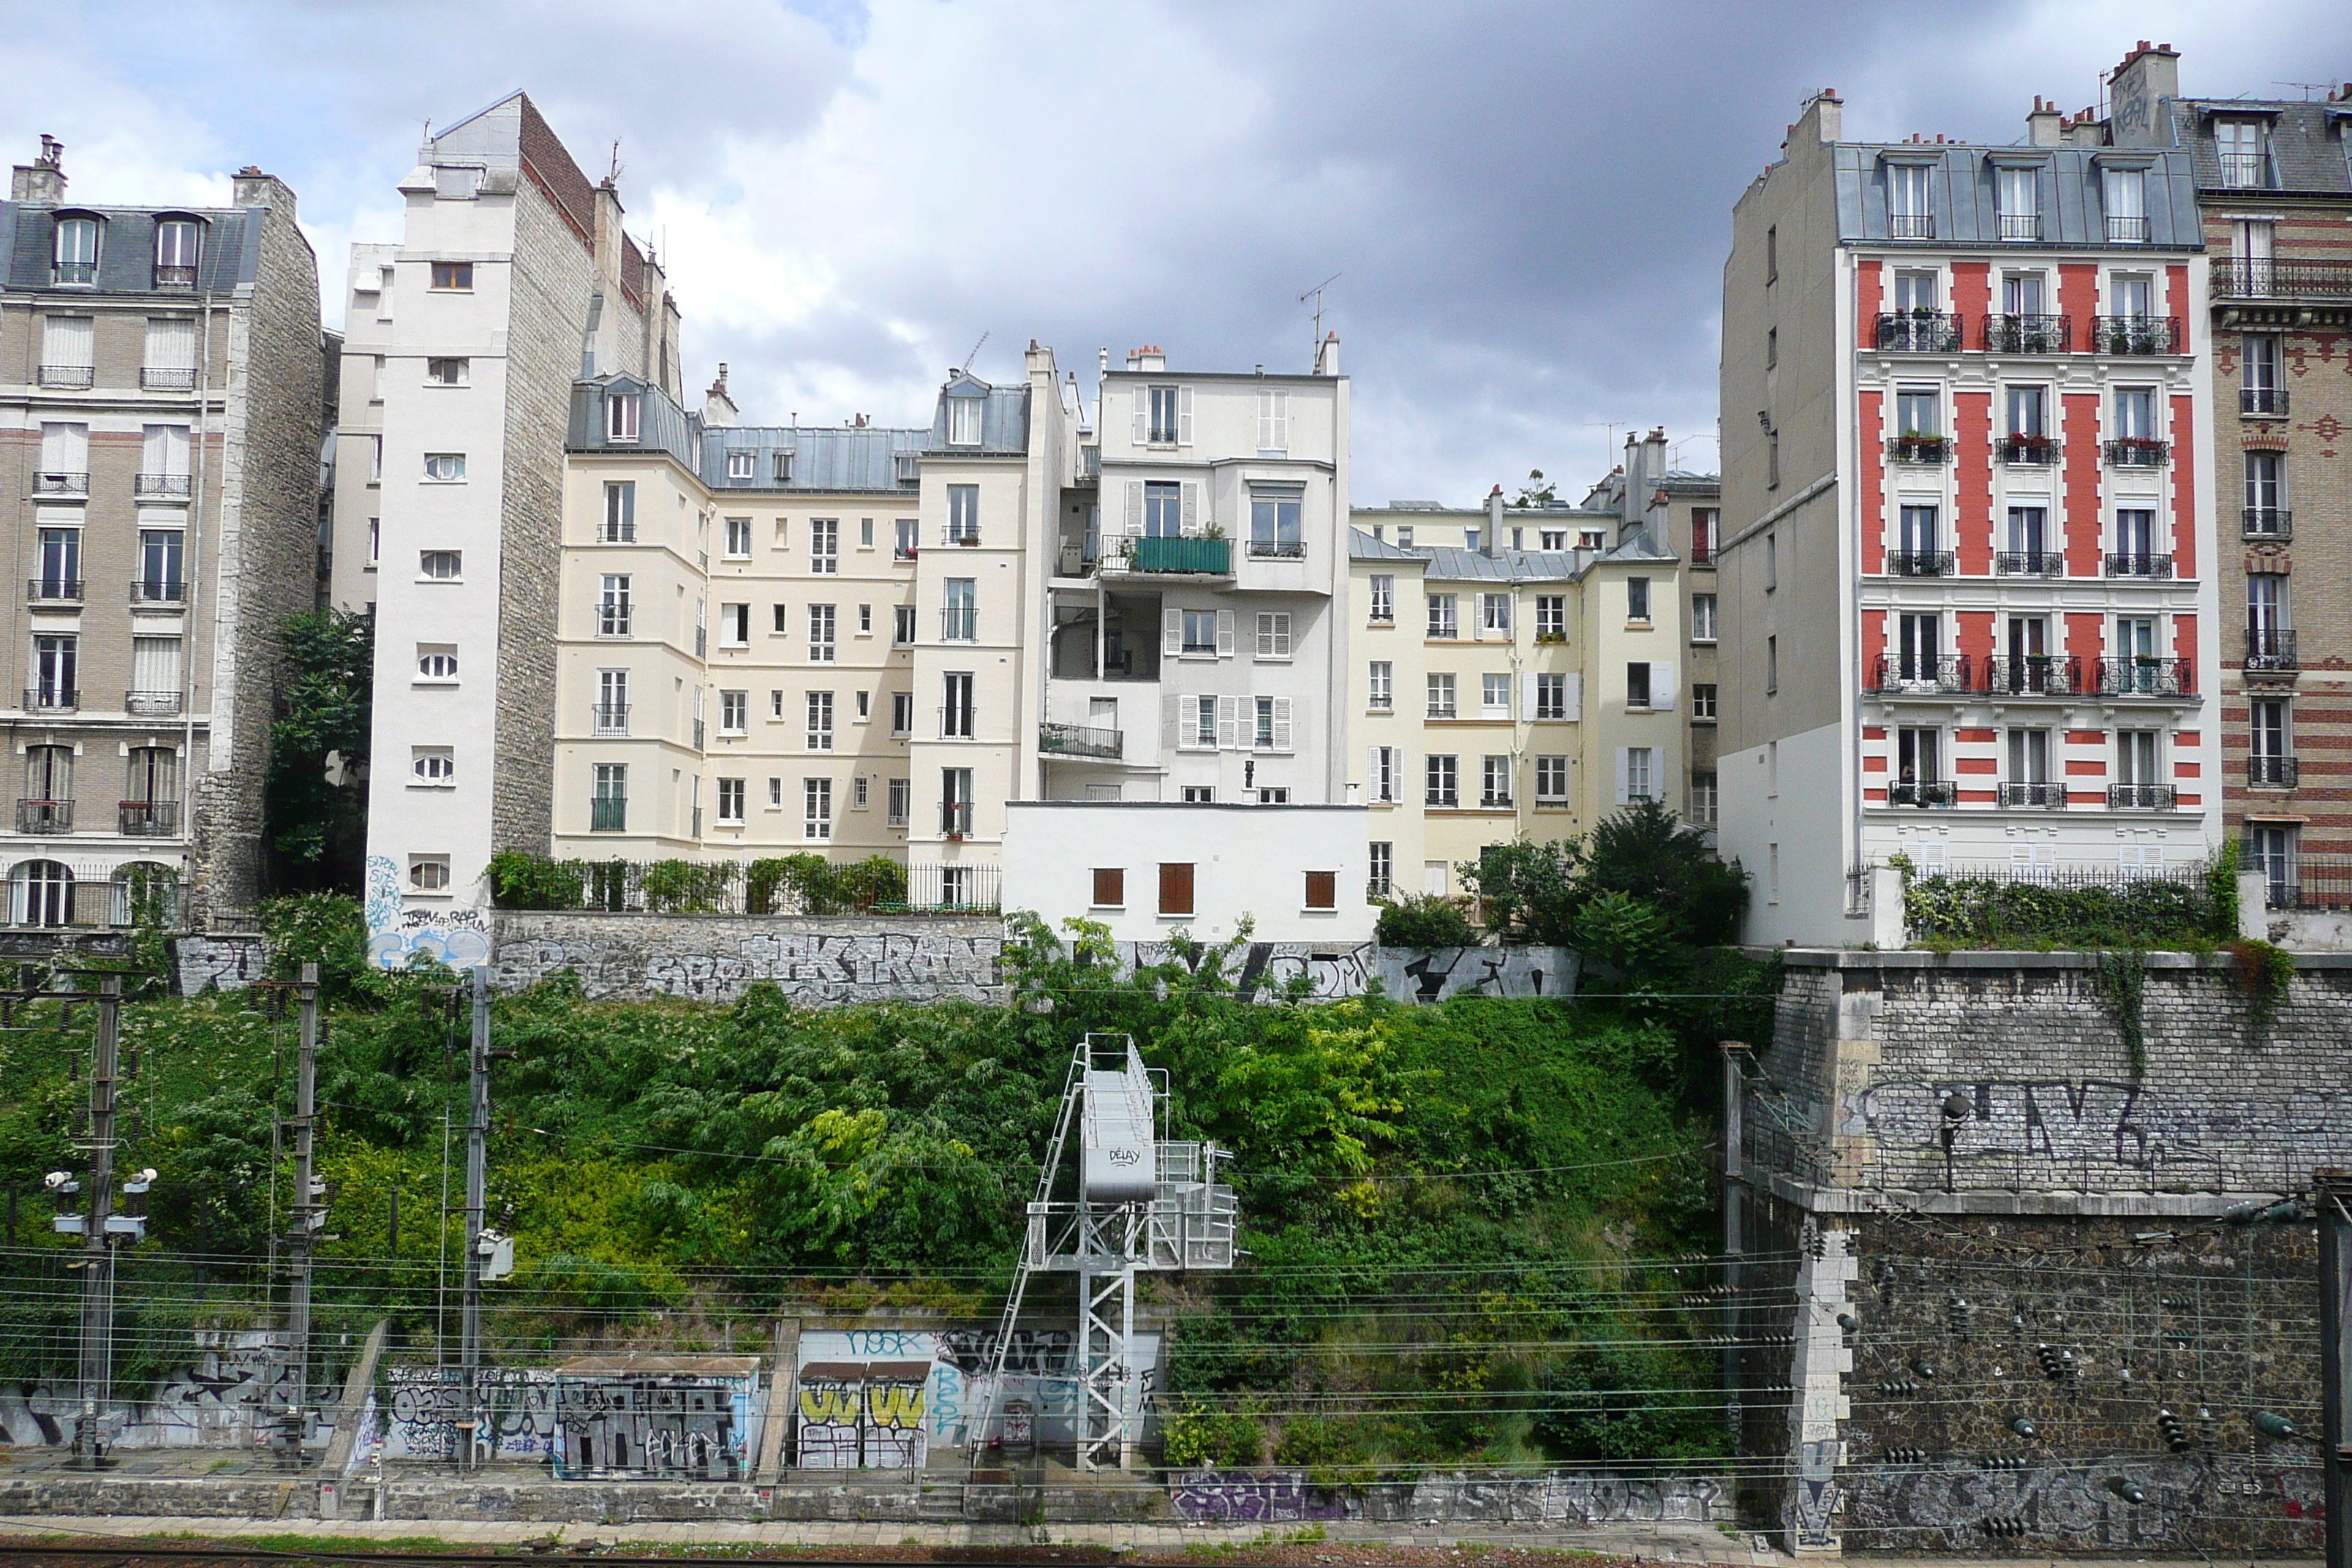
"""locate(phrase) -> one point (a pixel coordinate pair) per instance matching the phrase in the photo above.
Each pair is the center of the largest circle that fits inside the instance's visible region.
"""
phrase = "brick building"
(160, 410)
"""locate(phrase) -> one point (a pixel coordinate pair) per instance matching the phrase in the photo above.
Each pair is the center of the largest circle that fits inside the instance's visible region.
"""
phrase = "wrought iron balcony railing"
(2148, 677)
(2028, 334)
(2030, 451)
(74, 272)
(1910, 226)
(2261, 278)
(2137, 336)
(45, 816)
(2020, 225)
(1932, 792)
(610, 717)
(2269, 523)
(148, 818)
(2137, 452)
(2262, 402)
(1920, 673)
(1918, 563)
(2031, 564)
(2123, 230)
(2141, 797)
(1078, 740)
(2033, 674)
(1920, 448)
(153, 704)
(58, 482)
(2273, 772)
(1920, 332)
(1277, 550)
(51, 699)
(66, 590)
(158, 591)
(2245, 171)
(2271, 647)
(174, 277)
(2039, 796)
(165, 486)
(608, 814)
(68, 377)
(955, 819)
(167, 378)
(2137, 564)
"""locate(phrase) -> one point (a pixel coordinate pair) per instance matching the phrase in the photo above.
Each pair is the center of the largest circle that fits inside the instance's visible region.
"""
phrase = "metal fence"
(2307, 881)
(764, 886)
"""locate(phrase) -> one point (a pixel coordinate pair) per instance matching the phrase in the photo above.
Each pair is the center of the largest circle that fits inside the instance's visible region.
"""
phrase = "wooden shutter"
(1191, 520)
(1183, 417)
(1624, 776)
(1662, 685)
(1322, 890)
(1529, 686)
(1229, 723)
(1134, 508)
(1171, 633)
(1281, 442)
(1110, 887)
(1175, 887)
(1576, 694)
(1142, 416)
(1225, 634)
(1264, 421)
(1170, 718)
(1282, 732)
(1372, 773)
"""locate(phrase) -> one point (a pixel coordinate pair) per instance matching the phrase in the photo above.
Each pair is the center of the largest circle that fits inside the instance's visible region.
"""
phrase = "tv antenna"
(965, 368)
(1315, 294)
(1609, 453)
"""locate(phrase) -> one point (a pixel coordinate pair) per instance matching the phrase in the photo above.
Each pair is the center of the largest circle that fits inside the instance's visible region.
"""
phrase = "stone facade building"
(160, 410)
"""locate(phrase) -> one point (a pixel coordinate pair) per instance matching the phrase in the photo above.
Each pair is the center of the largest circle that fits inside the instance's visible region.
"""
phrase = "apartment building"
(514, 277)
(160, 434)
(356, 476)
(1967, 559)
(1469, 676)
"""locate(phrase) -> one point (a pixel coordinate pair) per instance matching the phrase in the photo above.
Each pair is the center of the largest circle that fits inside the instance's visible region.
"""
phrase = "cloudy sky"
(1527, 204)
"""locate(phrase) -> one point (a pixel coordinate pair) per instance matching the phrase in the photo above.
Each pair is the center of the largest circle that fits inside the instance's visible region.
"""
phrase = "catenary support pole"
(2334, 1193)
(308, 1215)
(1735, 1215)
(477, 1131)
(98, 1247)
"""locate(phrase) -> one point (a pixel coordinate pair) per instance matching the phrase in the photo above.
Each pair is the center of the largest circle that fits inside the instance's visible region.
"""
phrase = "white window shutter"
(1282, 723)
(1576, 694)
(1134, 509)
(1281, 442)
(1183, 417)
(1229, 722)
(1624, 776)
(1372, 773)
(1225, 634)
(1171, 719)
(1529, 686)
(1662, 685)
(1192, 509)
(1142, 416)
(1171, 633)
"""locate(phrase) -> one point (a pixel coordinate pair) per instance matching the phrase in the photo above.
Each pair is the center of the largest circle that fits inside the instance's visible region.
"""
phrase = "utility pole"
(98, 1244)
(2334, 1193)
(309, 1215)
(1734, 1197)
(478, 1133)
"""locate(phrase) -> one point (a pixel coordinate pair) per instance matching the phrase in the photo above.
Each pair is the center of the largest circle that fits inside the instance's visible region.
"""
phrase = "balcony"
(174, 278)
(1920, 448)
(1918, 563)
(148, 818)
(68, 377)
(2147, 677)
(2245, 171)
(955, 819)
(2262, 402)
(965, 535)
(609, 719)
(2137, 564)
(2141, 797)
(160, 486)
(2034, 796)
(2261, 278)
(608, 814)
(2137, 336)
(1920, 332)
(2020, 225)
(2273, 772)
(56, 482)
(51, 699)
(2269, 523)
(1192, 556)
(2029, 334)
(74, 272)
(2030, 451)
(53, 590)
(1277, 550)
(2031, 564)
(45, 816)
(2137, 452)
(167, 378)
(1491, 801)
(1920, 674)
(1910, 226)
(1078, 740)
(158, 591)
(1934, 795)
(2123, 230)
(2271, 647)
(2033, 674)
(153, 704)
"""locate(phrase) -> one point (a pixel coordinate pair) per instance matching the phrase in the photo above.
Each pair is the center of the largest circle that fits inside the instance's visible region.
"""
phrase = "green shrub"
(2138, 911)
(1424, 920)
(325, 928)
(687, 887)
(521, 880)
(1198, 1435)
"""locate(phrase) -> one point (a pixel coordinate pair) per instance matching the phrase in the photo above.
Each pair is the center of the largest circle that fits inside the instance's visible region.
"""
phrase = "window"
(902, 623)
(613, 611)
(1404, 534)
(1322, 890)
(902, 712)
(1772, 665)
(819, 737)
(1551, 617)
(963, 421)
(821, 634)
(1637, 774)
(1917, 761)
(176, 244)
(1703, 699)
(1382, 880)
(1110, 887)
(1637, 685)
(1273, 634)
(956, 708)
(1201, 726)
(1274, 795)
(1702, 617)
(1441, 615)
(1274, 521)
(620, 512)
(457, 276)
(1551, 696)
(1271, 729)
(446, 371)
(1441, 696)
(608, 808)
(445, 468)
(1166, 424)
(1470, 540)
(69, 352)
(1494, 613)
(1380, 687)
(735, 625)
(741, 465)
(2124, 193)
(428, 873)
(960, 620)
(1442, 778)
(816, 809)
(825, 543)
(441, 565)
(864, 620)
(2243, 147)
(1494, 696)
(899, 801)
(1707, 522)
(1163, 509)
(1383, 598)
(2268, 745)
(2266, 496)
(1381, 764)
(2017, 198)
(437, 661)
(730, 801)
(154, 675)
(60, 564)
(1918, 413)
(1915, 544)
(77, 250)
(1494, 781)
(170, 354)
(1272, 422)
(375, 542)
(2136, 413)
(1772, 562)
(1200, 794)
(1771, 347)
(902, 545)
(612, 715)
(1198, 630)
(2028, 409)
(1175, 888)
(1908, 216)
(1554, 538)
(2029, 759)
(2135, 754)
(864, 533)
(1551, 779)
(963, 514)
(739, 538)
(734, 712)
(1703, 799)
(1772, 253)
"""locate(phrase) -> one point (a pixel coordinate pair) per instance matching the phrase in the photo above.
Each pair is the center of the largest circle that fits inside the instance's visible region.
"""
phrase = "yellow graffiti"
(829, 1405)
(897, 1405)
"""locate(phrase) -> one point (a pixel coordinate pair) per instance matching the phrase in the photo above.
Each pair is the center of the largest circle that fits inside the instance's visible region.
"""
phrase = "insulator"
(2004, 1525)
(1924, 1369)
(1904, 1455)
(2127, 1490)
(1848, 1321)
(2275, 1427)
(2174, 1431)
(2023, 1428)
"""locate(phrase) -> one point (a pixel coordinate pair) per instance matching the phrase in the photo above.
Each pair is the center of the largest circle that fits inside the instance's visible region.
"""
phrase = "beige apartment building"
(159, 408)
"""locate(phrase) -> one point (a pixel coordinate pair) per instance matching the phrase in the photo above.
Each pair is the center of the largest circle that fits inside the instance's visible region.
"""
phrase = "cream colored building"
(1498, 692)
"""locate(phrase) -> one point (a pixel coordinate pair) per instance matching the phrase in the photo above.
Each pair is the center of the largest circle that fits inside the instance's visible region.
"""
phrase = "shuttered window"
(1175, 888)
(1110, 887)
(1322, 890)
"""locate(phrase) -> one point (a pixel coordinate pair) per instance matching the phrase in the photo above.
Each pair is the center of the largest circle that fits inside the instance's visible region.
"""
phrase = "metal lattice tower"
(1140, 1202)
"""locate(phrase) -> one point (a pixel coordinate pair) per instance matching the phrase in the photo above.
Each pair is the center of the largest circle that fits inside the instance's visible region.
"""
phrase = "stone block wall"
(707, 958)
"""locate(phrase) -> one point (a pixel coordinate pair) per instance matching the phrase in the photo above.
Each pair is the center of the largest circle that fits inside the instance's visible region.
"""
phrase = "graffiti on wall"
(644, 1424)
(716, 959)
(2081, 1507)
(1411, 974)
(431, 1404)
(218, 1400)
(860, 1414)
(399, 935)
(218, 962)
(1284, 1497)
(937, 1387)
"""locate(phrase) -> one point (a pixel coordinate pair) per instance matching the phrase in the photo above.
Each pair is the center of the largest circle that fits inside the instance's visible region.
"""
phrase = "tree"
(315, 805)
(1537, 493)
(1539, 892)
(1424, 920)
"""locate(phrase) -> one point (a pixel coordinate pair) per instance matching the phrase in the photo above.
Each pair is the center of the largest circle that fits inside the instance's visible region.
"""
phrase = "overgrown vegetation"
(805, 883)
(315, 824)
(2261, 972)
(2066, 912)
(1423, 921)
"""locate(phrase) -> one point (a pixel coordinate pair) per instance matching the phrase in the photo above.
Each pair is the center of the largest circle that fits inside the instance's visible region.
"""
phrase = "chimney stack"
(2042, 125)
(252, 188)
(1326, 355)
(719, 410)
(1486, 540)
(42, 181)
(2136, 91)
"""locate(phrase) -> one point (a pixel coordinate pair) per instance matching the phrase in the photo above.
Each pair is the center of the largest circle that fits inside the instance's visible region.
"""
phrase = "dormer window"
(1909, 215)
(77, 250)
(963, 421)
(2243, 146)
(741, 465)
(784, 468)
(177, 240)
(910, 468)
(2124, 193)
(621, 412)
(2017, 196)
